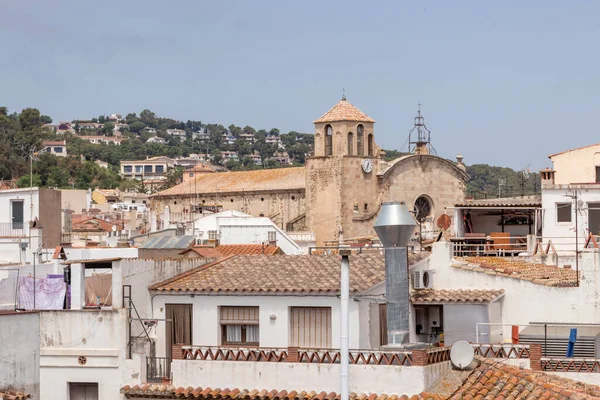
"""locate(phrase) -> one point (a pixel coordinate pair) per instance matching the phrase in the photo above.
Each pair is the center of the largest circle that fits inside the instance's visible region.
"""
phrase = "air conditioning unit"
(423, 279)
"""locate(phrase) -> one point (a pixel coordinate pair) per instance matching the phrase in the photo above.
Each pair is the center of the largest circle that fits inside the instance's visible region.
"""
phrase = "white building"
(102, 139)
(234, 227)
(156, 139)
(55, 147)
(273, 301)
(30, 222)
(176, 132)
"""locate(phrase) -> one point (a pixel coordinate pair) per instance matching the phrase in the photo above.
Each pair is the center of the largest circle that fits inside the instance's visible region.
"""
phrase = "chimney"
(547, 176)
(395, 226)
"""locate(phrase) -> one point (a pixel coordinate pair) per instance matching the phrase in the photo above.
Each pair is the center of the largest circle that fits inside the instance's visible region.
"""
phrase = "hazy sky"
(502, 82)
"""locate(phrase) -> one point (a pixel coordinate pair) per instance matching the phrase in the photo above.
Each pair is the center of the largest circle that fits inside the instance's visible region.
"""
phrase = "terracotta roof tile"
(13, 395)
(240, 181)
(171, 392)
(433, 296)
(225, 250)
(281, 274)
(541, 274)
(344, 111)
(496, 380)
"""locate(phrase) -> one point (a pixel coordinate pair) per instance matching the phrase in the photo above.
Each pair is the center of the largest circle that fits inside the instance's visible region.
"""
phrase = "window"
(563, 212)
(147, 169)
(239, 325)
(191, 175)
(138, 168)
(83, 391)
(360, 135)
(350, 143)
(370, 145)
(48, 149)
(127, 169)
(366, 206)
(58, 149)
(597, 174)
(423, 208)
(159, 169)
(328, 140)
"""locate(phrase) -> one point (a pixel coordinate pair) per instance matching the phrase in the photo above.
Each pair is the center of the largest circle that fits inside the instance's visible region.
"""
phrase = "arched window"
(360, 135)
(350, 143)
(423, 208)
(370, 145)
(328, 140)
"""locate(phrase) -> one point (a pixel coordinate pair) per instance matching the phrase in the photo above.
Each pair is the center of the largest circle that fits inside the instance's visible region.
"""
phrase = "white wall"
(298, 376)
(524, 301)
(10, 248)
(239, 228)
(592, 378)
(141, 273)
(273, 333)
(562, 234)
(94, 253)
(19, 352)
(100, 337)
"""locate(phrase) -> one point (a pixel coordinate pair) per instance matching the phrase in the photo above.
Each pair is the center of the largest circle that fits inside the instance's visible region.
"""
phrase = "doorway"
(17, 214)
(178, 326)
(594, 218)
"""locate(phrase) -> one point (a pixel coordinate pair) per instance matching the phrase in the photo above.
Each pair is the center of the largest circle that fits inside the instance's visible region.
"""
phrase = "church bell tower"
(341, 177)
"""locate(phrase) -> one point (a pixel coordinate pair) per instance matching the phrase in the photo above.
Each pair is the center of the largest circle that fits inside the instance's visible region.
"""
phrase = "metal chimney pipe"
(395, 226)
(345, 325)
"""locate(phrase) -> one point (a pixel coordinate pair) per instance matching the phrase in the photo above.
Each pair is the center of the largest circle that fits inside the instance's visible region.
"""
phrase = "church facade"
(339, 192)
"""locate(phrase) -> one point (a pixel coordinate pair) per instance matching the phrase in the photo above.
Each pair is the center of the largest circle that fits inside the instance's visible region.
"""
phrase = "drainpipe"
(345, 328)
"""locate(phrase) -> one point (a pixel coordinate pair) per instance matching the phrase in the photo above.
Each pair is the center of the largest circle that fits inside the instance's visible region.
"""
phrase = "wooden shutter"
(310, 327)
(383, 337)
(239, 315)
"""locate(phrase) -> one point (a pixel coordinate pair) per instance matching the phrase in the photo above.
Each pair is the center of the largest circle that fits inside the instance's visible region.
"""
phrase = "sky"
(503, 83)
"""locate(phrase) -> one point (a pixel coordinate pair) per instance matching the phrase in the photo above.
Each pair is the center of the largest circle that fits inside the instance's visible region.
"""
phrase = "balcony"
(158, 369)
(14, 229)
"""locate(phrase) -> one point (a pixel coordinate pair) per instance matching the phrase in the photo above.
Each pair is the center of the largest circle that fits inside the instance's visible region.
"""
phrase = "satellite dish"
(444, 221)
(114, 228)
(461, 354)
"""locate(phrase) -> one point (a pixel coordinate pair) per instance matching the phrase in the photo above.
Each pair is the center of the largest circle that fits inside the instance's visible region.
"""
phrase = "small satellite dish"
(461, 354)
(444, 221)
(114, 228)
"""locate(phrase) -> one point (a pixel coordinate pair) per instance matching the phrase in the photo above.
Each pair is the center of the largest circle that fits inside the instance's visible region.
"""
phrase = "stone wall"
(280, 206)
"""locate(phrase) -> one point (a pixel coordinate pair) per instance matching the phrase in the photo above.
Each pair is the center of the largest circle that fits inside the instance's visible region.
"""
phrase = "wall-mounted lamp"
(272, 317)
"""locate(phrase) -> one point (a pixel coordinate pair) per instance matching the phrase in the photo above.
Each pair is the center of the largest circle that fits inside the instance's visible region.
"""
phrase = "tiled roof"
(524, 201)
(171, 392)
(541, 274)
(433, 296)
(225, 250)
(54, 143)
(13, 395)
(578, 148)
(494, 380)
(240, 181)
(344, 111)
(281, 274)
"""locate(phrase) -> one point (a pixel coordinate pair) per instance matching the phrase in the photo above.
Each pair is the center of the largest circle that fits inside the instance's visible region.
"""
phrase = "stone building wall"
(280, 206)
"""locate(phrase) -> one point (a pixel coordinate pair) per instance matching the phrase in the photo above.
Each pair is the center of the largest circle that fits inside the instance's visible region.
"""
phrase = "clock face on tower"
(367, 165)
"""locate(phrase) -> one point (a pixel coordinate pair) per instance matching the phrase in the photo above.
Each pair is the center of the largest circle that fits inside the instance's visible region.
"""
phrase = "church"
(337, 195)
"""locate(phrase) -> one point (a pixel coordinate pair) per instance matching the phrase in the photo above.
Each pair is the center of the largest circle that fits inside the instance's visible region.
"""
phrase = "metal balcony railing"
(158, 369)
(14, 229)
